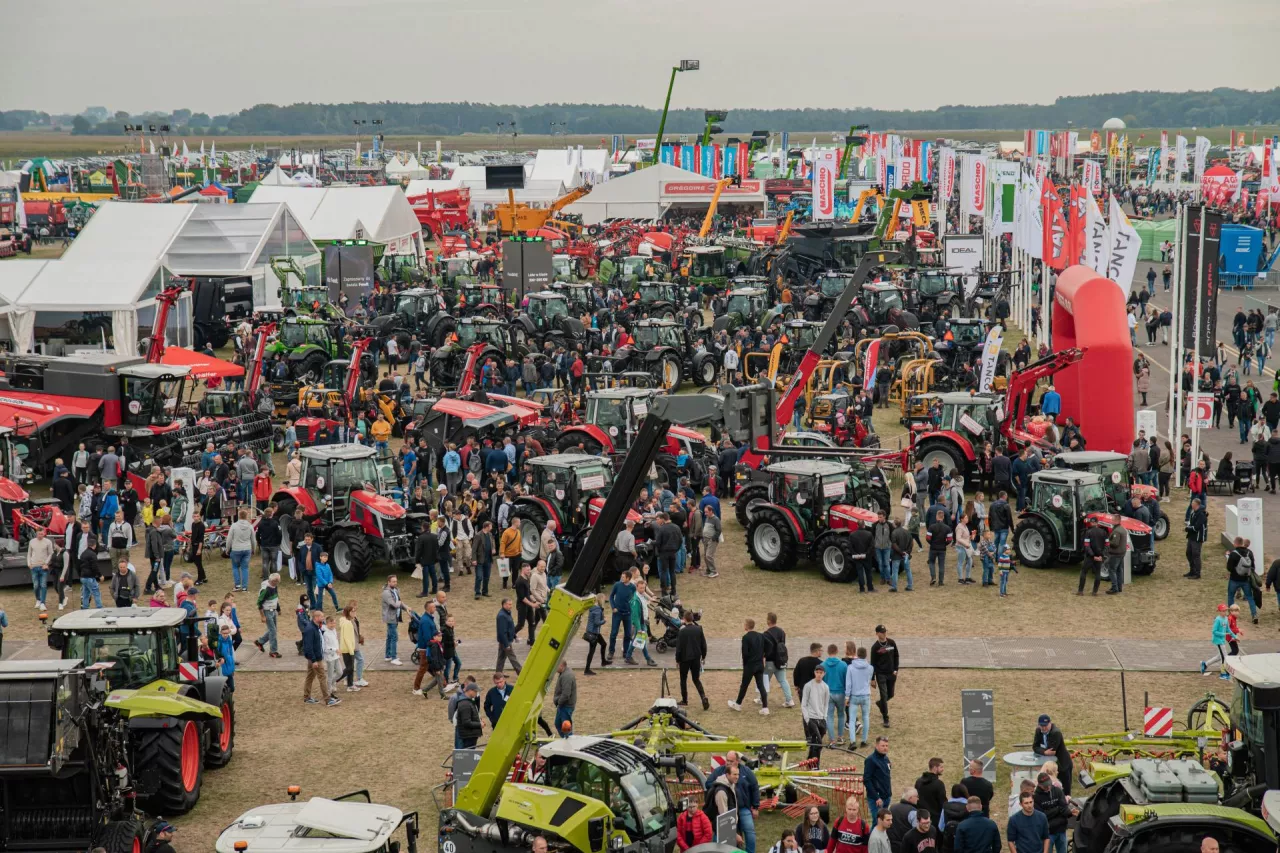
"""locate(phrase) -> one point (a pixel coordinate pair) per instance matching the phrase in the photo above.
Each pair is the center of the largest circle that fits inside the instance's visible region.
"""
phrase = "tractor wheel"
(311, 368)
(441, 331)
(943, 450)
(569, 442)
(1160, 527)
(834, 558)
(1198, 716)
(668, 473)
(669, 372)
(285, 508)
(876, 500)
(748, 499)
(427, 234)
(222, 744)
(121, 836)
(172, 756)
(350, 553)
(219, 335)
(1034, 543)
(532, 521)
(705, 373)
(770, 542)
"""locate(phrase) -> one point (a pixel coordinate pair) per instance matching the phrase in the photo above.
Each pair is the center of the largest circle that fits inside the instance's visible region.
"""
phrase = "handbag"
(591, 637)
(640, 641)
(504, 567)
(417, 573)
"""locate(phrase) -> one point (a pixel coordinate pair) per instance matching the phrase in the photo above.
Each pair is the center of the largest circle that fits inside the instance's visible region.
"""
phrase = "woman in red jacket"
(850, 834)
(693, 827)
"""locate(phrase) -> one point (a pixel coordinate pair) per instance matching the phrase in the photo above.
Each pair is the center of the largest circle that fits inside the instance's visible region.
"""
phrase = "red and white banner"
(947, 172)
(990, 356)
(882, 169)
(1054, 235)
(1157, 722)
(708, 188)
(1095, 142)
(1041, 171)
(973, 190)
(905, 172)
(1092, 176)
(869, 364)
(824, 184)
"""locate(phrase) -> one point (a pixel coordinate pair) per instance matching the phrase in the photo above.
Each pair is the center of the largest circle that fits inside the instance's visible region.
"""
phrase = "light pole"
(685, 65)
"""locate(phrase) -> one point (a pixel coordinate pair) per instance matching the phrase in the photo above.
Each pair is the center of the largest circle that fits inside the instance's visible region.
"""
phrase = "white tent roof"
(380, 214)
(234, 239)
(93, 285)
(277, 178)
(407, 168)
(419, 186)
(644, 194)
(126, 230)
(15, 277)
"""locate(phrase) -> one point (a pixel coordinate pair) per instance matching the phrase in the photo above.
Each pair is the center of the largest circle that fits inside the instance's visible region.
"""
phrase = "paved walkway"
(1032, 653)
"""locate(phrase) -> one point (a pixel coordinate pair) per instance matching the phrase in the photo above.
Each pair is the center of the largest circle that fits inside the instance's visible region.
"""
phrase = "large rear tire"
(770, 542)
(1034, 543)
(350, 554)
(173, 757)
(944, 451)
(750, 497)
(222, 745)
(530, 521)
(121, 836)
(568, 443)
(834, 558)
(1160, 527)
(669, 372)
(704, 372)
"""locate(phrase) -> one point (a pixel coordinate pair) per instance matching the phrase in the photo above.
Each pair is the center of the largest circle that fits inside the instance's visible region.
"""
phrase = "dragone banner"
(824, 184)
(962, 254)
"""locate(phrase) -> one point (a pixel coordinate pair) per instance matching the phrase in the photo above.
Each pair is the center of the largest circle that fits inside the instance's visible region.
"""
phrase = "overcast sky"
(152, 54)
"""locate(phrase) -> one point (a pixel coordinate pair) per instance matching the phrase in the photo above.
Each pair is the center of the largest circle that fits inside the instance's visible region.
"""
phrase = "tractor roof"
(546, 294)
(705, 250)
(1066, 477)
(121, 619)
(1089, 457)
(809, 468)
(311, 319)
(568, 459)
(657, 321)
(153, 371)
(799, 437)
(880, 285)
(596, 750)
(746, 291)
(338, 451)
(1256, 669)
(419, 291)
(319, 824)
(964, 398)
(487, 321)
(619, 393)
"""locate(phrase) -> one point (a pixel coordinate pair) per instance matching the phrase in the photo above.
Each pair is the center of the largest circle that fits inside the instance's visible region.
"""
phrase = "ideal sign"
(824, 185)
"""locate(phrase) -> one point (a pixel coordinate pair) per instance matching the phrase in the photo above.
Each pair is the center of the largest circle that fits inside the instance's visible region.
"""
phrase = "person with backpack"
(775, 657)
(1240, 576)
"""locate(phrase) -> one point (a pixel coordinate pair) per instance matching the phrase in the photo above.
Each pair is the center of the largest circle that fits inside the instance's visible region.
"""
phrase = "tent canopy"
(202, 366)
(277, 178)
(380, 214)
(649, 193)
(235, 239)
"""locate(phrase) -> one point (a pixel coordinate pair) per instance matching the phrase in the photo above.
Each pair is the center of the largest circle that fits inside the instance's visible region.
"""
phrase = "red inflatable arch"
(1089, 312)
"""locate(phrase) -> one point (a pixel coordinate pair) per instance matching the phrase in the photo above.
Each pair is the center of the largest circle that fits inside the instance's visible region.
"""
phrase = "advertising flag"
(824, 185)
(1179, 157)
(1032, 242)
(906, 171)
(1027, 142)
(973, 189)
(925, 171)
(1041, 172)
(920, 213)
(1054, 227)
(990, 355)
(1122, 252)
(1113, 144)
(882, 169)
(668, 155)
(889, 172)
(871, 361)
(730, 160)
(1202, 154)
(947, 172)
(1097, 239)
(686, 158)
(708, 161)
(744, 159)
(1042, 142)
(1164, 153)
(1095, 142)
(1076, 225)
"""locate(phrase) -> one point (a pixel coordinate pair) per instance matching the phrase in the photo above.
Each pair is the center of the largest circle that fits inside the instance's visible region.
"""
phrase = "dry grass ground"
(393, 743)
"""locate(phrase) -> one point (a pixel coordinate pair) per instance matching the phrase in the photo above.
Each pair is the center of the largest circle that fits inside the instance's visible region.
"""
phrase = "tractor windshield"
(931, 285)
(562, 267)
(217, 404)
(470, 333)
(848, 253)
(293, 335)
(707, 264)
(802, 337)
(150, 402)
(657, 293)
(594, 482)
(1093, 498)
(346, 474)
(134, 656)
(967, 334)
(648, 337)
(407, 306)
(549, 308)
(650, 798)
(607, 412)
(833, 286)
(632, 267)
(740, 303)
(887, 300)
(473, 296)
(455, 267)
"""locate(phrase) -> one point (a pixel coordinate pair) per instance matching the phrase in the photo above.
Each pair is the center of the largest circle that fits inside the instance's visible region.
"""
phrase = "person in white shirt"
(813, 711)
(730, 364)
(332, 660)
(80, 464)
(462, 531)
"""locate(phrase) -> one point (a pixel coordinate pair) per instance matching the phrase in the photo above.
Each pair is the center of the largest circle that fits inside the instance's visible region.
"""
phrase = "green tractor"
(749, 306)
(703, 267)
(180, 716)
(307, 343)
(1171, 806)
(625, 273)
(65, 780)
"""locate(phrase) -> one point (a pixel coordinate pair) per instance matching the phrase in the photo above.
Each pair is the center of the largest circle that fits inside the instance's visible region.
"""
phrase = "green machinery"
(703, 266)
(1148, 806)
(587, 794)
(180, 716)
(307, 343)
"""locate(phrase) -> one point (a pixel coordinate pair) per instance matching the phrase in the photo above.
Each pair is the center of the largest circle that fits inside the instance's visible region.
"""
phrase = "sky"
(219, 56)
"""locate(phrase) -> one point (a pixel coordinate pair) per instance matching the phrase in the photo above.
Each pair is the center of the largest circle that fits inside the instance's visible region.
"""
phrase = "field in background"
(18, 145)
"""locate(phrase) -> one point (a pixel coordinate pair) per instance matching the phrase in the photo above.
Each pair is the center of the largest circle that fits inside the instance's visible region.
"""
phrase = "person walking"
(565, 698)
(270, 537)
(978, 785)
(393, 608)
(850, 834)
(691, 652)
(1240, 577)
(1197, 528)
(747, 793)
(877, 776)
(753, 647)
(313, 651)
(904, 818)
(775, 658)
(240, 545)
(592, 633)
(467, 717)
(836, 671)
(1117, 546)
(1052, 803)
(269, 612)
(620, 595)
(884, 660)
(39, 559)
(939, 536)
(124, 585)
(879, 841)
(1221, 631)
(857, 698)
(495, 701)
(483, 548)
(639, 626)
(506, 638)
(712, 533)
(814, 700)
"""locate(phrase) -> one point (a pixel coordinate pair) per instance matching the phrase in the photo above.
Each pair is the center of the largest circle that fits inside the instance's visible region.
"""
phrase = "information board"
(978, 728)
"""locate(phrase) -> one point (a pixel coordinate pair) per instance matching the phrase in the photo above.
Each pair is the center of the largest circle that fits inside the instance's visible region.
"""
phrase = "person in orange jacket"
(693, 827)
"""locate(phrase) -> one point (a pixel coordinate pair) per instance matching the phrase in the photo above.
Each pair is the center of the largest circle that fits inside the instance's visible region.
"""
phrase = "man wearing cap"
(163, 835)
(1048, 742)
(1053, 804)
(467, 717)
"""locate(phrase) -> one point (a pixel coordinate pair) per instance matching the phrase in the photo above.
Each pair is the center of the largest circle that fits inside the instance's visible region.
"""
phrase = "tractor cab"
(651, 334)
(746, 307)
(931, 285)
(704, 265)
(332, 472)
(139, 646)
(546, 308)
(975, 416)
(968, 333)
(847, 252)
(832, 285)
(224, 404)
(457, 271)
(149, 396)
(418, 302)
(1111, 468)
(478, 330)
(1064, 498)
(809, 488)
(799, 335)
(563, 268)
(569, 483)
(618, 412)
(351, 823)
(880, 298)
(1254, 758)
(578, 296)
(474, 296)
(306, 299)
(633, 268)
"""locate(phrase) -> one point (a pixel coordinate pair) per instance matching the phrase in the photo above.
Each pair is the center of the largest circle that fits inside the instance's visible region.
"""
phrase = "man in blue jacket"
(506, 638)
(977, 833)
(620, 595)
(748, 796)
(313, 651)
(495, 701)
(876, 778)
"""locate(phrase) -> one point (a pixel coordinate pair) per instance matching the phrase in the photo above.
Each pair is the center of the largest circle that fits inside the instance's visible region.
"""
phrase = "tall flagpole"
(1195, 373)
(1175, 348)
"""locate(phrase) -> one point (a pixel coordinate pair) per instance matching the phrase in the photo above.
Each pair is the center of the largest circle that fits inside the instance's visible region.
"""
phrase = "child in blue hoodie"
(834, 672)
(324, 581)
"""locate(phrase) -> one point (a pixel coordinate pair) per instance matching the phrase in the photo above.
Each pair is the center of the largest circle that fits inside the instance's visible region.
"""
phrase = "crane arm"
(255, 366)
(1022, 384)
(352, 390)
(468, 376)
(568, 199)
(164, 304)
(785, 231)
(570, 600)
(863, 197)
(715, 202)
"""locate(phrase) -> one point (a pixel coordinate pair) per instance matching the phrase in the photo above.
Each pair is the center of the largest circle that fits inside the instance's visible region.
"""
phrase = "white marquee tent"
(378, 214)
(650, 193)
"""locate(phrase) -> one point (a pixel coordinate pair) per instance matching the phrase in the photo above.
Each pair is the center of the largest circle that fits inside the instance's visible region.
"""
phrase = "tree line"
(1216, 107)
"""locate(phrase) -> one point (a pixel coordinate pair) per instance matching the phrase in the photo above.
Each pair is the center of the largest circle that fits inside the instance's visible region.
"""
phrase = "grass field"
(19, 145)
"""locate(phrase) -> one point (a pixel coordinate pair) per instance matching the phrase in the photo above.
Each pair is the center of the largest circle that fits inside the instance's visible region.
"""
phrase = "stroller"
(668, 614)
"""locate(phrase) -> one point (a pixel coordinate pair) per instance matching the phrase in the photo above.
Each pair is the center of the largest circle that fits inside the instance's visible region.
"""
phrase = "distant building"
(1113, 124)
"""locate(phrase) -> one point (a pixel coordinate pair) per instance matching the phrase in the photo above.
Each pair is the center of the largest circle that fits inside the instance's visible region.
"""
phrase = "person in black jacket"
(938, 534)
(426, 552)
(884, 660)
(691, 651)
(467, 717)
(1000, 519)
(862, 552)
(1048, 740)
(1095, 552)
(1050, 799)
(931, 788)
(978, 786)
(802, 672)
(752, 667)
(269, 536)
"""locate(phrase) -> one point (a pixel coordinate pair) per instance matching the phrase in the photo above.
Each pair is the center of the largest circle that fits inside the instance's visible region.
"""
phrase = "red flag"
(1054, 237)
(1077, 244)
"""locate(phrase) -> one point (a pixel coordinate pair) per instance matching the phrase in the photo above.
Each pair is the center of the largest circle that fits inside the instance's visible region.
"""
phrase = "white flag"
(1235, 195)
(973, 189)
(1123, 248)
(153, 148)
(186, 154)
(1179, 157)
(213, 152)
(947, 172)
(1202, 154)
(1096, 237)
(904, 173)
(990, 355)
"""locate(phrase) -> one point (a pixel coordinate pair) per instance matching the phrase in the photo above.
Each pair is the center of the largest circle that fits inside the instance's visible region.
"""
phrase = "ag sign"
(1199, 411)
(962, 253)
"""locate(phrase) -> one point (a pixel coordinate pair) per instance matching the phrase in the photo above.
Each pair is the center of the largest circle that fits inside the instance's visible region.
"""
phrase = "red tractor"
(341, 495)
(610, 422)
(806, 516)
(441, 212)
(970, 419)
